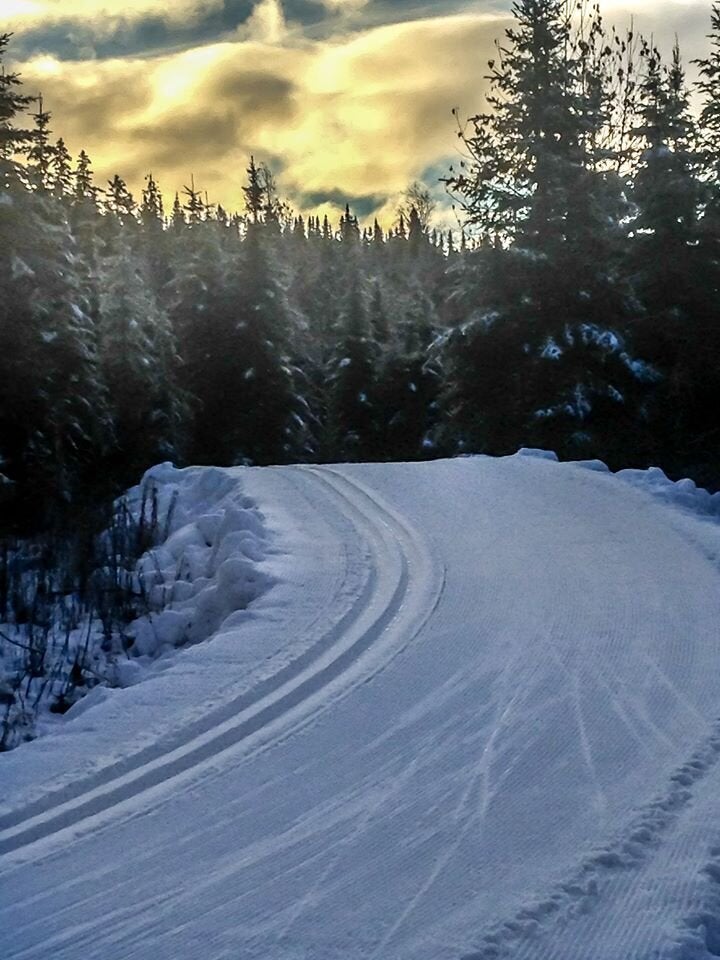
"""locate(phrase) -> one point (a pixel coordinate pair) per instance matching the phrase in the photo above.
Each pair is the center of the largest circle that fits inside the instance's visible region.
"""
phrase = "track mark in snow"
(600, 801)
(401, 592)
(518, 937)
(673, 688)
(624, 707)
(475, 799)
(700, 936)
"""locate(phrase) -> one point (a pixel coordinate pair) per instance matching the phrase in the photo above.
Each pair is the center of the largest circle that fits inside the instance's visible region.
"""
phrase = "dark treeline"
(583, 315)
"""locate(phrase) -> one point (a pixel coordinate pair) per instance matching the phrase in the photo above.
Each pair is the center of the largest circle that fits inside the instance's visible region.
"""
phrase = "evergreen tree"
(267, 408)
(709, 88)
(194, 207)
(85, 189)
(61, 170)
(408, 384)
(139, 363)
(352, 373)
(119, 201)
(254, 192)
(709, 144)
(349, 228)
(52, 412)
(13, 139)
(549, 320)
(524, 152)
(155, 242)
(177, 217)
(41, 154)
(676, 273)
(53, 401)
(379, 326)
(417, 238)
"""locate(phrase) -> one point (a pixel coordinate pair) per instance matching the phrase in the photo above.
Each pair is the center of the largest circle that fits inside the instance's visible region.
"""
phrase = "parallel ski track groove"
(391, 540)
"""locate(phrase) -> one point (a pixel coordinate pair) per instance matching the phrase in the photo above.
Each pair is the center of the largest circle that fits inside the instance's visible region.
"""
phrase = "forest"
(576, 308)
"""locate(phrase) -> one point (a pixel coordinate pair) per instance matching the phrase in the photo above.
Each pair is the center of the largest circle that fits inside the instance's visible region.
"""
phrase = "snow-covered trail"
(397, 596)
(499, 737)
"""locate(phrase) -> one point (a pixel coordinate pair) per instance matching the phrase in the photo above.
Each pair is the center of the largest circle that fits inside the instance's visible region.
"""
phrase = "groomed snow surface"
(465, 709)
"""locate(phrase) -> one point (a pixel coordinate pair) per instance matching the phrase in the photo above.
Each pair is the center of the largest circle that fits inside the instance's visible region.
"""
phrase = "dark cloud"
(225, 114)
(70, 39)
(100, 107)
(254, 90)
(361, 206)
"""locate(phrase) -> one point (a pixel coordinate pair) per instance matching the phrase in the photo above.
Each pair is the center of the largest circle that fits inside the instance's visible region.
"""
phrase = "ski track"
(504, 744)
(395, 548)
(522, 937)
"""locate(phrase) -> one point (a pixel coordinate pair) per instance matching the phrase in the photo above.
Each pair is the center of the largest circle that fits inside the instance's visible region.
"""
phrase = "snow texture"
(206, 572)
(197, 583)
(476, 716)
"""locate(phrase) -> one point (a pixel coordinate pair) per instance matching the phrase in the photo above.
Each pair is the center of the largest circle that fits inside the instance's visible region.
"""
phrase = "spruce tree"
(61, 170)
(541, 351)
(13, 139)
(408, 384)
(709, 88)
(52, 409)
(139, 361)
(41, 154)
(676, 270)
(353, 377)
(254, 192)
(54, 402)
(266, 414)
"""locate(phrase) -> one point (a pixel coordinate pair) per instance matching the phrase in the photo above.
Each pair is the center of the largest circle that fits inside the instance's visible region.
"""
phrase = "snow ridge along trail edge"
(400, 594)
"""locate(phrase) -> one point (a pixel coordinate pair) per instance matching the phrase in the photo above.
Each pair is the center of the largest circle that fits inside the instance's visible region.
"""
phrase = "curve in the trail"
(399, 595)
(536, 777)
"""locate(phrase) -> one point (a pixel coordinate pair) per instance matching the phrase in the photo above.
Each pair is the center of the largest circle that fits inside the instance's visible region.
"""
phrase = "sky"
(345, 100)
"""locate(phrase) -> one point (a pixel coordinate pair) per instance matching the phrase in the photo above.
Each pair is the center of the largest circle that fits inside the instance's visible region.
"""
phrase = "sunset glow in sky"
(345, 99)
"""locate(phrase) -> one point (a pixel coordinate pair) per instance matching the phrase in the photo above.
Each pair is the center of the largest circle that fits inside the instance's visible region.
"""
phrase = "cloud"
(354, 115)
(343, 6)
(83, 28)
(688, 20)
(339, 4)
(22, 13)
(266, 23)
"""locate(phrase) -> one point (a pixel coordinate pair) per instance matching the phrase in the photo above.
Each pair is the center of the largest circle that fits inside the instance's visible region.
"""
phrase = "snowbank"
(196, 582)
(205, 573)
(679, 493)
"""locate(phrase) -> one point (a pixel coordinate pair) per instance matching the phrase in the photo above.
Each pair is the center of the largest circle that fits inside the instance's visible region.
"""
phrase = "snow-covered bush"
(167, 565)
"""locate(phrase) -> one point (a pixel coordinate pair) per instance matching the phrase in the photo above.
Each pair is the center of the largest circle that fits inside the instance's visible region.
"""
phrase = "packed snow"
(462, 709)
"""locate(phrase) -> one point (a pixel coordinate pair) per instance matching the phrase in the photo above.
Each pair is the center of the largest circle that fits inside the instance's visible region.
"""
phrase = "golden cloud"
(362, 115)
(21, 14)
(356, 115)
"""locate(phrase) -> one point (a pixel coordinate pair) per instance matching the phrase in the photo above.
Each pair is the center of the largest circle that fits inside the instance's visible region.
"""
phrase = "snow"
(682, 493)
(197, 583)
(537, 454)
(472, 714)
(207, 570)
